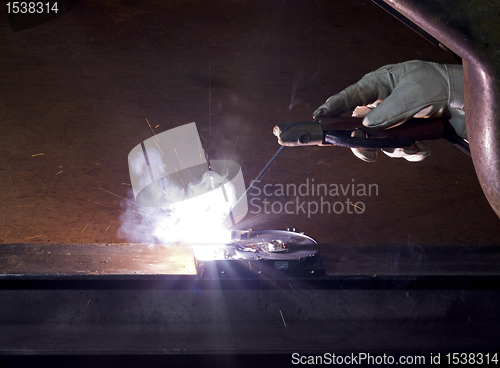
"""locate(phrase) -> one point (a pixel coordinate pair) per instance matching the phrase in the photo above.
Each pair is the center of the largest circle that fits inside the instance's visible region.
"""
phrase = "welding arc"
(255, 181)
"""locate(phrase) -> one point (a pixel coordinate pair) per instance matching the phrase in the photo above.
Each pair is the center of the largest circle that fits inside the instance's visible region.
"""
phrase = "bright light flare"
(199, 219)
(191, 201)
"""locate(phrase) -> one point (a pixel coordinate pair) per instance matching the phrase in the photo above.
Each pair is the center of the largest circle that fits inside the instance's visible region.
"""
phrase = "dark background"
(79, 88)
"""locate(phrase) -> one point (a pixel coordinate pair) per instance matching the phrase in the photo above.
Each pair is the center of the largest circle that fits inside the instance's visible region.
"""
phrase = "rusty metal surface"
(80, 260)
(473, 33)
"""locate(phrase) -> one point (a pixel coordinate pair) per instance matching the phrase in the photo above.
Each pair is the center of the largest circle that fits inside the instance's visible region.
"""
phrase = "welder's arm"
(393, 94)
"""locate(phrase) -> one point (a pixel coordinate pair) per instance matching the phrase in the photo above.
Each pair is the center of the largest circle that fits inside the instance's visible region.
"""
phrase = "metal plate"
(84, 260)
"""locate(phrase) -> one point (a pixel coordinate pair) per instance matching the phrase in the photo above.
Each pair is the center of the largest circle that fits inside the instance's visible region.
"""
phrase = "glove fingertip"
(381, 121)
(365, 155)
(317, 113)
(370, 123)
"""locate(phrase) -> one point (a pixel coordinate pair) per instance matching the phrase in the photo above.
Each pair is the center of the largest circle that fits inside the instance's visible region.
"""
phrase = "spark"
(168, 176)
(283, 318)
(36, 236)
(132, 222)
(180, 177)
(157, 126)
(107, 228)
(178, 156)
(150, 212)
(158, 147)
(102, 204)
(129, 160)
(85, 228)
(58, 173)
(126, 184)
(352, 204)
(151, 129)
(234, 148)
(37, 154)
(118, 196)
(140, 213)
(155, 138)
(87, 304)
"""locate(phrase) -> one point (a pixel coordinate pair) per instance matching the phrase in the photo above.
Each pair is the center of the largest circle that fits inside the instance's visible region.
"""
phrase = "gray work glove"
(393, 94)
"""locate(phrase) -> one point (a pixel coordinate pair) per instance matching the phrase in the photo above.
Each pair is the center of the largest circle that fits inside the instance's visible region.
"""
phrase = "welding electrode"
(252, 184)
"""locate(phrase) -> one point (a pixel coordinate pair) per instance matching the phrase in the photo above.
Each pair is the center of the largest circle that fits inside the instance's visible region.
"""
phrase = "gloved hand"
(393, 94)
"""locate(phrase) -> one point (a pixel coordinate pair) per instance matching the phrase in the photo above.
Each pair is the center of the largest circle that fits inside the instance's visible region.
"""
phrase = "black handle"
(338, 132)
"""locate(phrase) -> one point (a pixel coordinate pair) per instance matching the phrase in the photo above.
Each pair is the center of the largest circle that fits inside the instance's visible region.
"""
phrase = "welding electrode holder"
(338, 132)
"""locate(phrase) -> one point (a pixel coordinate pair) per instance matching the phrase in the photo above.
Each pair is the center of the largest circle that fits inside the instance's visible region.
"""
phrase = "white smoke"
(176, 197)
(194, 216)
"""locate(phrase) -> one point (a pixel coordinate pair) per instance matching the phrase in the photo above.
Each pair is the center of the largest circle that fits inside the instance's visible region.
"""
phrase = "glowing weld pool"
(262, 252)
